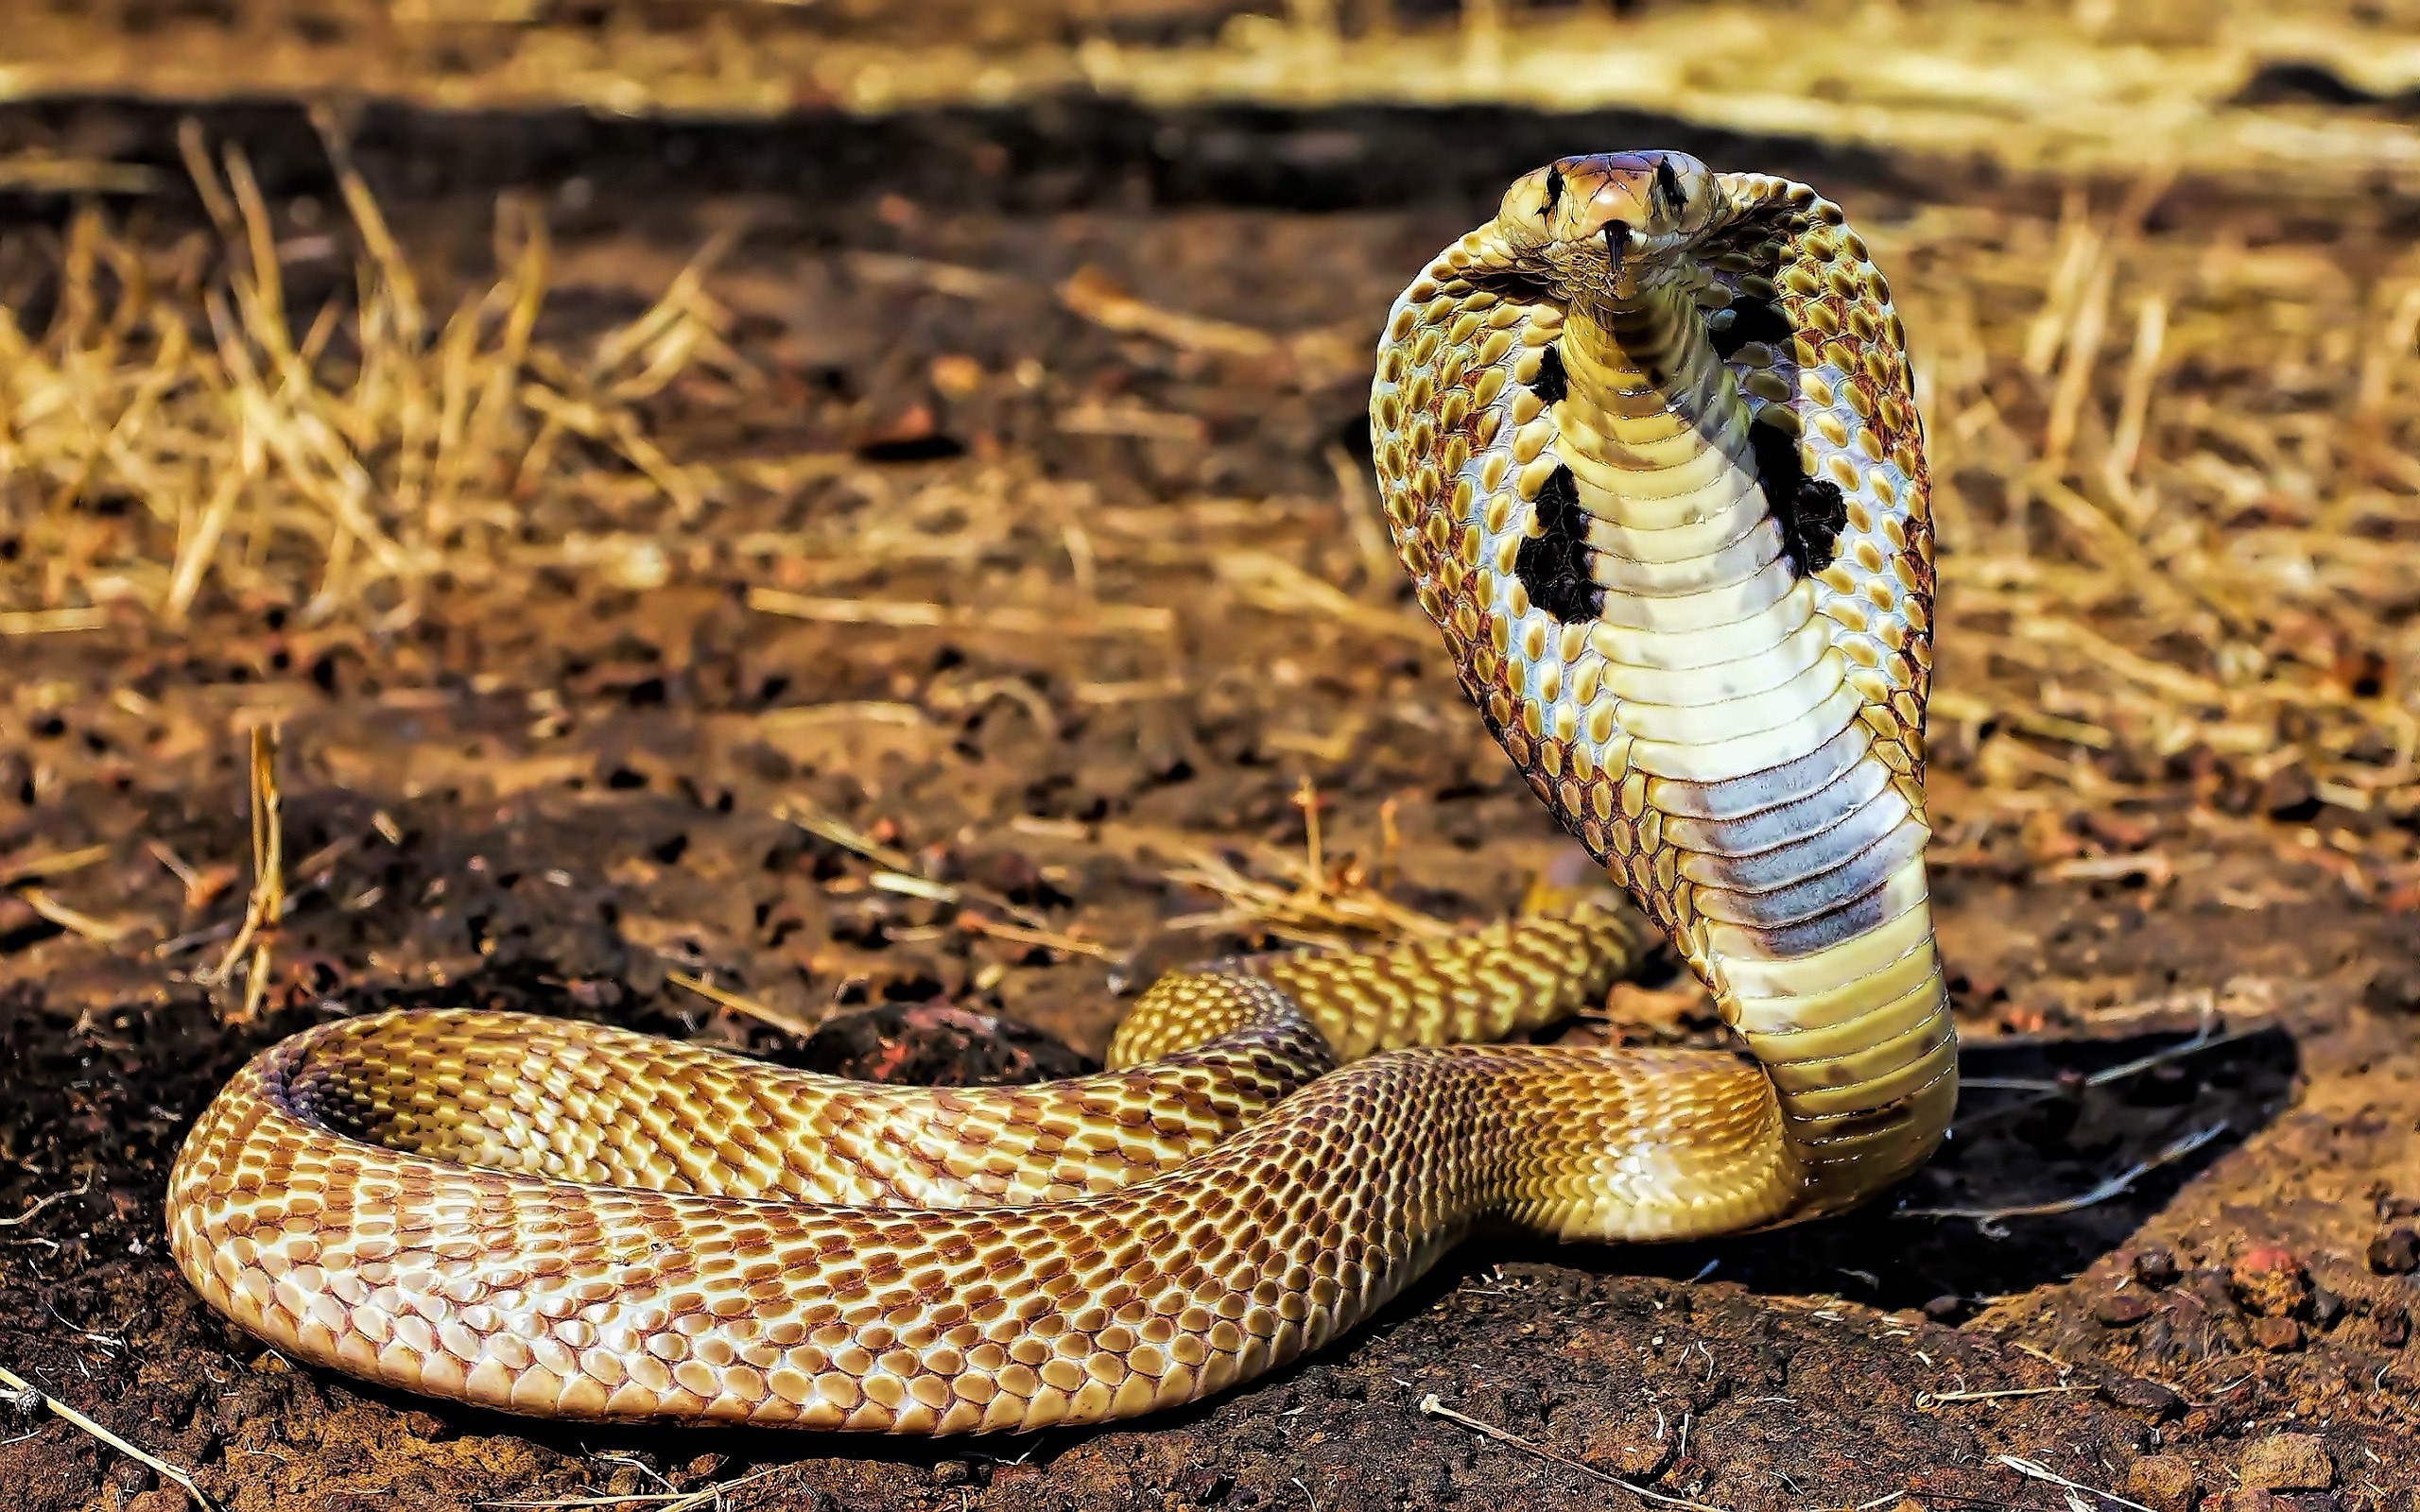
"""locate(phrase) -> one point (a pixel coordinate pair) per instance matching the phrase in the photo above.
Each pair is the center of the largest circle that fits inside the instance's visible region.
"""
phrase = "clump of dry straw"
(170, 431)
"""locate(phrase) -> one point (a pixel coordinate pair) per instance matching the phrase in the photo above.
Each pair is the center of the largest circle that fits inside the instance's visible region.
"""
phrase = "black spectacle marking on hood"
(1553, 564)
(1746, 321)
(1554, 192)
(1552, 383)
(1812, 512)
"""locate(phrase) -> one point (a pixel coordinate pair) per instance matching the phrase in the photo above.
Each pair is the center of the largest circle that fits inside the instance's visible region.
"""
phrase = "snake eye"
(1554, 193)
(1670, 198)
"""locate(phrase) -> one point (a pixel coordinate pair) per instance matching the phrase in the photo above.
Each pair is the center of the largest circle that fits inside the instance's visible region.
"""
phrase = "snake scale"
(1648, 448)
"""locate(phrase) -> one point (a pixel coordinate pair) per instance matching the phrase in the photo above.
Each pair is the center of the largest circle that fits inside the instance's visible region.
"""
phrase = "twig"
(1926, 1397)
(100, 931)
(159, 1467)
(1273, 584)
(1105, 619)
(1047, 939)
(1091, 295)
(2115, 1186)
(2032, 1470)
(818, 821)
(2203, 1039)
(46, 1201)
(663, 1501)
(53, 863)
(266, 904)
(724, 997)
(52, 621)
(1431, 1407)
(899, 867)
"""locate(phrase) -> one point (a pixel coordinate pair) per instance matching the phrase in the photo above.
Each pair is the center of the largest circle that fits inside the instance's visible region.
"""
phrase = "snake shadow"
(2061, 1152)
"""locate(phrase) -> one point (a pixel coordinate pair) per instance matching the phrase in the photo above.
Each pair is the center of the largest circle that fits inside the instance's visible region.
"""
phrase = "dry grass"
(2175, 487)
(169, 433)
(2175, 483)
(2063, 85)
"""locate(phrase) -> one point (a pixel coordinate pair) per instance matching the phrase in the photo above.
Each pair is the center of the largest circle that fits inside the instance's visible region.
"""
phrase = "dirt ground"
(573, 785)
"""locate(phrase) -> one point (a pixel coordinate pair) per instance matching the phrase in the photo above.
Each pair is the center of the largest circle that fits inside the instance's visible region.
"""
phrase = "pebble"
(2276, 1334)
(2394, 1325)
(2135, 1394)
(2325, 1307)
(2287, 1462)
(2396, 1252)
(2164, 1483)
(2122, 1310)
(2268, 1279)
(2156, 1266)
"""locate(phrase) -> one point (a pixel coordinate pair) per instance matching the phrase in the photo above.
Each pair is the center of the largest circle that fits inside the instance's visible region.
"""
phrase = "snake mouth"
(1616, 234)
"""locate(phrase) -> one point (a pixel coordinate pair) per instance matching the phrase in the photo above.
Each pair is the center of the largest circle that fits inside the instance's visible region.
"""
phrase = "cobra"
(1648, 452)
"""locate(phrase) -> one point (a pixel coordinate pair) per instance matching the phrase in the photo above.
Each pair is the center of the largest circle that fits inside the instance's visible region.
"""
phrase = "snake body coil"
(1648, 449)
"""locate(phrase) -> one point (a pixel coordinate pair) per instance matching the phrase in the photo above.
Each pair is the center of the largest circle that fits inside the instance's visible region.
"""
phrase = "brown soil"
(551, 791)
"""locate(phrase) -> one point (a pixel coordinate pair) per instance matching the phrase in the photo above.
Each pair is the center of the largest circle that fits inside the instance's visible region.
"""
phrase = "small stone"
(425, 1426)
(2135, 1394)
(2268, 1279)
(2122, 1310)
(2156, 1266)
(2276, 1334)
(2164, 1483)
(1202, 1485)
(2287, 1462)
(1941, 1309)
(952, 1473)
(2394, 990)
(2394, 1325)
(2325, 1307)
(626, 1482)
(2395, 1251)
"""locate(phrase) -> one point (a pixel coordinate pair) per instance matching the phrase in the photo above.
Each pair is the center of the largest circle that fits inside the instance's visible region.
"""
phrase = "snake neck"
(1794, 858)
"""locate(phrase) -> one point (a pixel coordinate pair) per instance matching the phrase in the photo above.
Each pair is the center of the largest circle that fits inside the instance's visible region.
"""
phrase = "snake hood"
(1648, 447)
(1612, 225)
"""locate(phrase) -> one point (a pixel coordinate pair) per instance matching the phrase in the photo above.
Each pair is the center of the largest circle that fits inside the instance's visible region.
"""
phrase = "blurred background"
(844, 529)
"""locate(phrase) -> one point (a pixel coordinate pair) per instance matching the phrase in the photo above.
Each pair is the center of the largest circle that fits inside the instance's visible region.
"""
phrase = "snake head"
(1612, 223)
